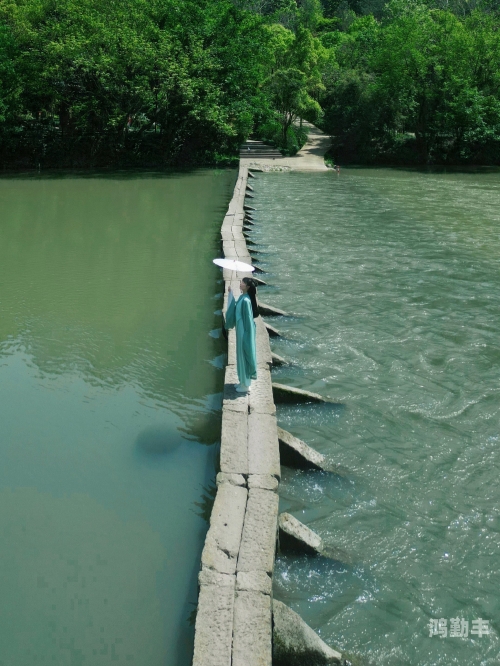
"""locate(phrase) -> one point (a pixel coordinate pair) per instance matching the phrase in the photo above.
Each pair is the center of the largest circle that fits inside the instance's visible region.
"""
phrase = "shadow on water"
(204, 428)
(112, 173)
(157, 441)
(205, 505)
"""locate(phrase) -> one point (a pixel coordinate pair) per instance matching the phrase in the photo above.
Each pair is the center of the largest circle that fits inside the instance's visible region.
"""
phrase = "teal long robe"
(239, 313)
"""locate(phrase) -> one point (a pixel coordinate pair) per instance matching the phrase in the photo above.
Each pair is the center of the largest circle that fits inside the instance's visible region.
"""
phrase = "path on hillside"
(309, 158)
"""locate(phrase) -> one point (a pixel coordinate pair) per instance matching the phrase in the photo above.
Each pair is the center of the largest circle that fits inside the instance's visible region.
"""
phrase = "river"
(394, 282)
(110, 393)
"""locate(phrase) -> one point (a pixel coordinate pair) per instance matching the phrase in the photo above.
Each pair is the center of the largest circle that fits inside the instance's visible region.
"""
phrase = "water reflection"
(107, 390)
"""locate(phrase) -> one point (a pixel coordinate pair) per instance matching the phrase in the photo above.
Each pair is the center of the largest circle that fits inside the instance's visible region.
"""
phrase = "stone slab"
(229, 253)
(294, 640)
(252, 629)
(264, 481)
(296, 453)
(277, 360)
(241, 246)
(214, 626)
(222, 543)
(231, 398)
(228, 477)
(264, 354)
(231, 348)
(259, 281)
(273, 332)
(258, 541)
(284, 393)
(261, 395)
(212, 577)
(263, 447)
(234, 443)
(255, 581)
(295, 537)
(270, 311)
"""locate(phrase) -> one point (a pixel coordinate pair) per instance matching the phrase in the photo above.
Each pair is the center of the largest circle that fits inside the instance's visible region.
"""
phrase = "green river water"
(110, 392)
(393, 277)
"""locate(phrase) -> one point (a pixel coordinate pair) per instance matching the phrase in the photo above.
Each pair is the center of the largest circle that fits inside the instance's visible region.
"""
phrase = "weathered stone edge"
(235, 609)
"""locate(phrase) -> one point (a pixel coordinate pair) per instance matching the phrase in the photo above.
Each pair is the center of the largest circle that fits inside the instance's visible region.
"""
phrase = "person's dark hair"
(252, 292)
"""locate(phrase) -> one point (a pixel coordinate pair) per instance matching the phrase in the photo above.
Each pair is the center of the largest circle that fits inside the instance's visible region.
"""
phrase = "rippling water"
(110, 390)
(394, 282)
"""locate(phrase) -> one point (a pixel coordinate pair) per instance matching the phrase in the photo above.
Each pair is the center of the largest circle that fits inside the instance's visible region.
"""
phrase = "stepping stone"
(278, 360)
(259, 281)
(294, 642)
(295, 537)
(273, 333)
(290, 394)
(270, 311)
(296, 453)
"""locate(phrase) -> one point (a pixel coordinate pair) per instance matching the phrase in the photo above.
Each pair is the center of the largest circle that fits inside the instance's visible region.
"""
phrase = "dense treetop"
(159, 82)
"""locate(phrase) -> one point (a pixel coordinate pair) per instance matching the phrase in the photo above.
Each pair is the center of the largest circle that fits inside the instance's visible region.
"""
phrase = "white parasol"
(234, 265)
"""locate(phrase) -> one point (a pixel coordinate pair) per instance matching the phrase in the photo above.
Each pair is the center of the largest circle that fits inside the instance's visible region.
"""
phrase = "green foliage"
(182, 81)
(103, 81)
(423, 86)
(8, 85)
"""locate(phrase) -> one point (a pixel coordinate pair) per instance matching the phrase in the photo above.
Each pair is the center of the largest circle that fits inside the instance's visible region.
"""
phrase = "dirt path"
(309, 158)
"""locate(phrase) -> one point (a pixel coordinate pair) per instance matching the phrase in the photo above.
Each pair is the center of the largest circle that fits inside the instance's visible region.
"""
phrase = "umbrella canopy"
(233, 265)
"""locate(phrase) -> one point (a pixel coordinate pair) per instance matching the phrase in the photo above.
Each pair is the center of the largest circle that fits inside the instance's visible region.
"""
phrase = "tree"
(9, 90)
(288, 90)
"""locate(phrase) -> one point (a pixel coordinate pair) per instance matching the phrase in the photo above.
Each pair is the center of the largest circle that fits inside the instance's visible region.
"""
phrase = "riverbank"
(309, 158)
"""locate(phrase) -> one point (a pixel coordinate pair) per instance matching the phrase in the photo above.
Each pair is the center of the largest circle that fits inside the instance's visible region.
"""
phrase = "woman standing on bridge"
(241, 314)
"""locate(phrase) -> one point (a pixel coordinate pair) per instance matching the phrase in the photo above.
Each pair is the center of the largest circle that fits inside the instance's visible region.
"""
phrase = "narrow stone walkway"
(309, 158)
(233, 622)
